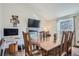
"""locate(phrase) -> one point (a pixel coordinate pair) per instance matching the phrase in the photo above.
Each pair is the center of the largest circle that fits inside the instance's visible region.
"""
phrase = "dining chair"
(0, 42)
(42, 35)
(28, 45)
(48, 35)
(2, 47)
(70, 43)
(64, 42)
(13, 49)
(55, 37)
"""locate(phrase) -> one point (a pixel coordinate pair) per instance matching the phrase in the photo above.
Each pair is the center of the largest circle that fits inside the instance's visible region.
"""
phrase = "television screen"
(10, 32)
(33, 23)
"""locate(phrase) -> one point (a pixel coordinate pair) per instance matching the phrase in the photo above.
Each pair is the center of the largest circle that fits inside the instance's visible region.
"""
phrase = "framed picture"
(66, 25)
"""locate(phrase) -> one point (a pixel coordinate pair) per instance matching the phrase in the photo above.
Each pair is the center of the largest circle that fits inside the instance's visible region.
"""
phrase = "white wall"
(21, 10)
(24, 11)
(77, 30)
(16, 9)
(0, 20)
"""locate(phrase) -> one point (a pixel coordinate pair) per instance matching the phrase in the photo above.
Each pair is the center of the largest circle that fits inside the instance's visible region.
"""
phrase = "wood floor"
(75, 52)
(19, 53)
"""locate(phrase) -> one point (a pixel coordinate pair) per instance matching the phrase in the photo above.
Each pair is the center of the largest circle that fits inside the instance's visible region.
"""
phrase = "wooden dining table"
(46, 45)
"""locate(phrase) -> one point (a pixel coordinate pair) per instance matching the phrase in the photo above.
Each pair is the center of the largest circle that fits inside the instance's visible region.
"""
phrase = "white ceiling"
(55, 10)
(52, 10)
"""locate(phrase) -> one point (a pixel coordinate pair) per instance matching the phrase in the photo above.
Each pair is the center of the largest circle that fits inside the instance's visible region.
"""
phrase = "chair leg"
(21, 48)
(2, 52)
(69, 53)
(43, 52)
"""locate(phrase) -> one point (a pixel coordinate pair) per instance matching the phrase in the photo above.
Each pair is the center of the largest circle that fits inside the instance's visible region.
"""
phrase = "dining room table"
(47, 45)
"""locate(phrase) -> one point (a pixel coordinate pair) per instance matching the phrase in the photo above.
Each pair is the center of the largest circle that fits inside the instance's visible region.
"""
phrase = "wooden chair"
(13, 48)
(0, 42)
(42, 35)
(64, 42)
(2, 47)
(48, 35)
(61, 50)
(55, 37)
(70, 43)
(28, 45)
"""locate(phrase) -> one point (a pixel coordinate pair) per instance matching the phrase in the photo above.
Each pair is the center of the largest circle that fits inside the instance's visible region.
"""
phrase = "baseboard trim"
(76, 46)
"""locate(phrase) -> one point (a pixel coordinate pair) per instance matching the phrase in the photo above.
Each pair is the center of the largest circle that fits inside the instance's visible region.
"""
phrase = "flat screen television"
(10, 32)
(33, 23)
